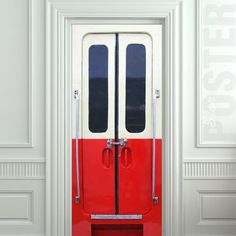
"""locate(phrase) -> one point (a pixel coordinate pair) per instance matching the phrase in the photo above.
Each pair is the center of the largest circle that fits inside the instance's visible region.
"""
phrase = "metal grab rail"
(76, 97)
(156, 95)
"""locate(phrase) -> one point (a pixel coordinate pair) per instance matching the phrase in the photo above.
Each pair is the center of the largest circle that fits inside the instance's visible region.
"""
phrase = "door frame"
(60, 16)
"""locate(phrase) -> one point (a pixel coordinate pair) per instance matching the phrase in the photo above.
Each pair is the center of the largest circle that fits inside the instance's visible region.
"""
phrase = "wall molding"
(210, 207)
(22, 169)
(209, 169)
(214, 118)
(29, 143)
(59, 94)
(22, 218)
(220, 220)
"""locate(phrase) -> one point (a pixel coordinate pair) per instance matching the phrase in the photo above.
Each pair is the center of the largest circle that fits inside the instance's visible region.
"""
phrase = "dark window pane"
(135, 87)
(98, 88)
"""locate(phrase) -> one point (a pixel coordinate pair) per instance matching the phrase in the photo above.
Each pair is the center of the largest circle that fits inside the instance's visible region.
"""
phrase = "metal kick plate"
(116, 217)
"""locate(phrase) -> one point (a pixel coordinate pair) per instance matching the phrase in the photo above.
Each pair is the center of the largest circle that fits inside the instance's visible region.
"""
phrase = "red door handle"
(126, 158)
(107, 157)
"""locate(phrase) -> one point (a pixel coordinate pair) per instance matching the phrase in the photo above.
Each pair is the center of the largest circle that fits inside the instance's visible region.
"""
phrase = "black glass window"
(98, 88)
(135, 87)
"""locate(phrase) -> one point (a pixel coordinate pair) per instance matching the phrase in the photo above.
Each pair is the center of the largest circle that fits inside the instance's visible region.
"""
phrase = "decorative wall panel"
(22, 118)
(216, 72)
(22, 207)
(217, 205)
(15, 207)
(209, 207)
(15, 85)
(203, 169)
(22, 170)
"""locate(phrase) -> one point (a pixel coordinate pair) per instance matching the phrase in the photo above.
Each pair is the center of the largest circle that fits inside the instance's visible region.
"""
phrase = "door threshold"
(116, 217)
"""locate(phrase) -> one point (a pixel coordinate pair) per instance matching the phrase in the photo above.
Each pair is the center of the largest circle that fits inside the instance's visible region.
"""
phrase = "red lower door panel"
(98, 184)
(135, 176)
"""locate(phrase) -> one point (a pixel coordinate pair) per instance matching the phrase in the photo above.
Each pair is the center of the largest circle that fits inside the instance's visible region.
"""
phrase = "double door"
(118, 145)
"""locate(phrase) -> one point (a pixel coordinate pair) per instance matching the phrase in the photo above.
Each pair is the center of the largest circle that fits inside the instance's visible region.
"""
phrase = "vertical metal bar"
(76, 97)
(154, 197)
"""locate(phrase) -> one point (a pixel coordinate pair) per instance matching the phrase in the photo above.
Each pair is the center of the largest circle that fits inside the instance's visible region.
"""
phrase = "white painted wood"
(209, 207)
(22, 118)
(22, 207)
(15, 206)
(191, 150)
(216, 73)
(209, 169)
(218, 206)
(208, 166)
(29, 98)
(23, 169)
(15, 87)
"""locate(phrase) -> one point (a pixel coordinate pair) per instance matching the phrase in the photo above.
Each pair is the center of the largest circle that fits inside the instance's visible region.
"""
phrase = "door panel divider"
(116, 124)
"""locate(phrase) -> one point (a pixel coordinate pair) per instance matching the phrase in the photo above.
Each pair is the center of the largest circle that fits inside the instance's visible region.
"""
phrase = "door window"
(98, 88)
(135, 87)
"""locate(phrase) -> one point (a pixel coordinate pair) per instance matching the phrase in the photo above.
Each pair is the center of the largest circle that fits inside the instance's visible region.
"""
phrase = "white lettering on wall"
(217, 72)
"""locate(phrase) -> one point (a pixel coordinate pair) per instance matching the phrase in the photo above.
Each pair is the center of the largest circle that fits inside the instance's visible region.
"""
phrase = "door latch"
(122, 142)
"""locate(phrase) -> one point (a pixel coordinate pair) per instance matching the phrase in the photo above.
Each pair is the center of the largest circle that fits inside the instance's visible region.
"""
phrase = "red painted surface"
(97, 183)
(98, 176)
(117, 230)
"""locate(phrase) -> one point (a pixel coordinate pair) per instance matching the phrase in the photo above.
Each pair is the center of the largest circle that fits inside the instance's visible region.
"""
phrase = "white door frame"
(60, 16)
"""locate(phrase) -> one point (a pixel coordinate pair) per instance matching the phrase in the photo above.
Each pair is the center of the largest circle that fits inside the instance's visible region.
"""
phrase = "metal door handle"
(154, 197)
(76, 97)
(122, 142)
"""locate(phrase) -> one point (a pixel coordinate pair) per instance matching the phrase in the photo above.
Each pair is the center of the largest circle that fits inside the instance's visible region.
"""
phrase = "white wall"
(209, 128)
(22, 117)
